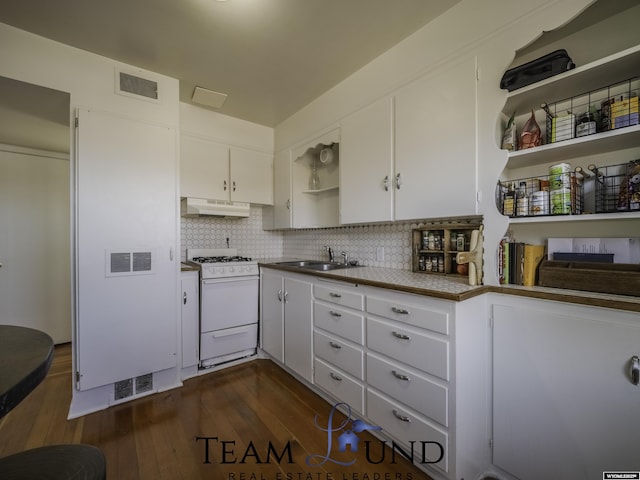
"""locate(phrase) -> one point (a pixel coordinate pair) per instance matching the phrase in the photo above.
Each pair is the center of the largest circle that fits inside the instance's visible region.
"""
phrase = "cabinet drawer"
(406, 426)
(339, 353)
(409, 345)
(416, 391)
(349, 325)
(400, 307)
(339, 385)
(339, 296)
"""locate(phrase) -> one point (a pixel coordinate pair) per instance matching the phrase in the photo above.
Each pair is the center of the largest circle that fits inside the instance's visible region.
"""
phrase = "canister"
(559, 176)
(522, 206)
(561, 201)
(539, 203)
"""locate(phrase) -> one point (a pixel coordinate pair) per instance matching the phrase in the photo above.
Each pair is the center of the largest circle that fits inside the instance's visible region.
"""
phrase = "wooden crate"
(445, 250)
(616, 278)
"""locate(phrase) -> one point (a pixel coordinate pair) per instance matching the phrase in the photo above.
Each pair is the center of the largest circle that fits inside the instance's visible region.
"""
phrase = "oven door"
(228, 302)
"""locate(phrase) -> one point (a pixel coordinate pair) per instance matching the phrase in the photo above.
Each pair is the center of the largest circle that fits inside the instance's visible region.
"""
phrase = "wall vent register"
(129, 263)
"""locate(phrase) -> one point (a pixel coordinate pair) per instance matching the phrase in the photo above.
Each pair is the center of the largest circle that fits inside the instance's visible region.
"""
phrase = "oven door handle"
(210, 281)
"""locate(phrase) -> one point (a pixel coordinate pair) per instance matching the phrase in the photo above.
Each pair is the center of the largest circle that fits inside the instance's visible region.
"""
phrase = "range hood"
(193, 207)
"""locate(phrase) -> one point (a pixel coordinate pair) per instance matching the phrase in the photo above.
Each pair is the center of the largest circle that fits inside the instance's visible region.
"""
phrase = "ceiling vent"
(131, 84)
(208, 98)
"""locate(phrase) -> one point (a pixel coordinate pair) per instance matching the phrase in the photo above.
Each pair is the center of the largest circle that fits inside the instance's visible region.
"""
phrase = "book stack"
(518, 262)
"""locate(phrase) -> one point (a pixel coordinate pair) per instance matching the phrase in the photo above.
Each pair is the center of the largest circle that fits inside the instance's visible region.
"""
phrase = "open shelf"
(621, 66)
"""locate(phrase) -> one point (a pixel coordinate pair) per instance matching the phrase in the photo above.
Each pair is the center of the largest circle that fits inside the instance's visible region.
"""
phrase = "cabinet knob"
(335, 295)
(280, 295)
(334, 314)
(234, 185)
(288, 204)
(401, 311)
(634, 370)
(224, 185)
(401, 336)
(398, 181)
(385, 183)
(400, 376)
(335, 345)
(335, 377)
(401, 417)
(184, 298)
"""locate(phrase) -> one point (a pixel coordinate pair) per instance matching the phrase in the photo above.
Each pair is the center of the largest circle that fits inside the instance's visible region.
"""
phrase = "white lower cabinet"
(286, 320)
(408, 386)
(410, 427)
(341, 386)
(414, 365)
(190, 322)
(338, 342)
(564, 401)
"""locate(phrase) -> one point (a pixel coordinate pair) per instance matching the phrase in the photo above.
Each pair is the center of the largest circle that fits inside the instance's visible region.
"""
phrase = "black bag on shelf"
(544, 67)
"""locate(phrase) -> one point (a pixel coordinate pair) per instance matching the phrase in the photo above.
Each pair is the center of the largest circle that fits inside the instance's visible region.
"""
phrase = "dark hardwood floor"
(258, 419)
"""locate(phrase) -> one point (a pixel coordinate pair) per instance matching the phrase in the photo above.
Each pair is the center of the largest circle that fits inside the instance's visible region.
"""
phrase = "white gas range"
(228, 305)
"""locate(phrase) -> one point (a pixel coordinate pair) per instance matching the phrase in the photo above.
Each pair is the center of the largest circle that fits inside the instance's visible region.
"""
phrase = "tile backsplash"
(361, 242)
(244, 234)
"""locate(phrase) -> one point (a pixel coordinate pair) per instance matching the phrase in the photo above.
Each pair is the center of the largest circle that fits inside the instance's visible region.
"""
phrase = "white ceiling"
(271, 57)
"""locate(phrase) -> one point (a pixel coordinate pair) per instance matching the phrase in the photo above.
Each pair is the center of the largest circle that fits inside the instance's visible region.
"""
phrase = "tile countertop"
(456, 288)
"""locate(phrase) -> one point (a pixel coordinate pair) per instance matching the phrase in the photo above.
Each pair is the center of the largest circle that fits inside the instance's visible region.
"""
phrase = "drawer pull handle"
(335, 345)
(334, 314)
(635, 370)
(401, 336)
(401, 417)
(335, 377)
(400, 376)
(335, 295)
(400, 310)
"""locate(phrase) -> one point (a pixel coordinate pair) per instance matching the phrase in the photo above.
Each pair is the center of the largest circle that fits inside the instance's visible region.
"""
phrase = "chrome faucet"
(345, 256)
(330, 252)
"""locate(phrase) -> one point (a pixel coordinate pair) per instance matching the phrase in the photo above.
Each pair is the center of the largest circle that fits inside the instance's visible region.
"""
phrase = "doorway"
(35, 244)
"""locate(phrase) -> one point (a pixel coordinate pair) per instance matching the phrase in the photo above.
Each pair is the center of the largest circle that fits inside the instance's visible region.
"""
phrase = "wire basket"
(541, 196)
(617, 187)
(614, 106)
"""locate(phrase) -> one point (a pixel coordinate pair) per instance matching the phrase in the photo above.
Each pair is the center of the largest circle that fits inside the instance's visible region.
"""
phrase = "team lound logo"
(347, 439)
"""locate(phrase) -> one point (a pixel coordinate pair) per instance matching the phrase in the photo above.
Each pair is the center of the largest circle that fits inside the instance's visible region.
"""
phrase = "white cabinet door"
(564, 404)
(251, 179)
(190, 318)
(272, 314)
(435, 133)
(282, 190)
(366, 164)
(204, 169)
(298, 327)
(126, 272)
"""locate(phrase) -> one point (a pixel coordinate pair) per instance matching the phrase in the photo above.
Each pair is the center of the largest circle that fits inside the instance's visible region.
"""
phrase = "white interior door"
(35, 286)
(127, 271)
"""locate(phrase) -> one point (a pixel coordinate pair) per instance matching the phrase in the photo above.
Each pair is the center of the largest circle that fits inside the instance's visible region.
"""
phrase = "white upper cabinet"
(282, 190)
(366, 169)
(413, 155)
(435, 144)
(217, 172)
(204, 169)
(251, 176)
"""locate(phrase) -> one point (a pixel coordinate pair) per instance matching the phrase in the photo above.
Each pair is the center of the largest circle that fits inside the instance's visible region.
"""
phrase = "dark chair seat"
(55, 462)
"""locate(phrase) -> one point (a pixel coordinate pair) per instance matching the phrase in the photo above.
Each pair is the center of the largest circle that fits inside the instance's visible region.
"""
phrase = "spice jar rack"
(436, 244)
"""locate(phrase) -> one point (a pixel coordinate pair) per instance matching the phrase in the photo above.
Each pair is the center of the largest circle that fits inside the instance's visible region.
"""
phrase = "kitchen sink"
(301, 263)
(316, 265)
